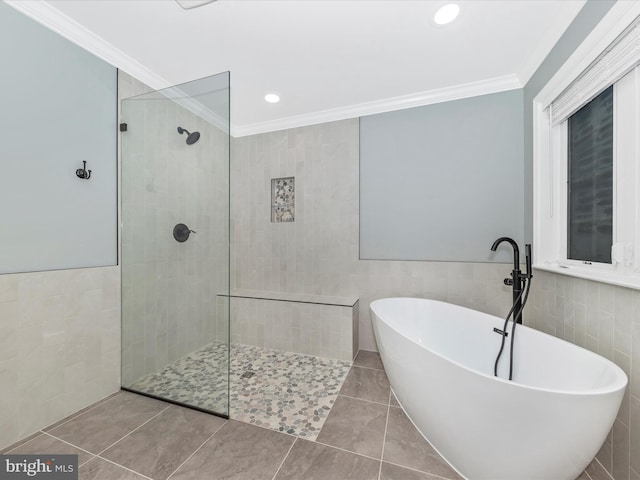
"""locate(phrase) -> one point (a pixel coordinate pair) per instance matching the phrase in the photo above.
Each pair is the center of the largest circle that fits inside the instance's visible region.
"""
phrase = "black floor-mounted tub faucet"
(518, 278)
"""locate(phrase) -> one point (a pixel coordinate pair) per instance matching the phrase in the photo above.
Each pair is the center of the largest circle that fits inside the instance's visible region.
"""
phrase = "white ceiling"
(328, 59)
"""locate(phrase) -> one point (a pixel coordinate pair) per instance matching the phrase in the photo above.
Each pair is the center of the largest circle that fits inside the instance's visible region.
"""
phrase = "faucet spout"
(516, 250)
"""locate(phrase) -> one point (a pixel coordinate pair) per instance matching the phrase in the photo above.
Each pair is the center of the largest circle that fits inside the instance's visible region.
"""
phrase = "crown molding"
(44, 13)
(457, 92)
(52, 18)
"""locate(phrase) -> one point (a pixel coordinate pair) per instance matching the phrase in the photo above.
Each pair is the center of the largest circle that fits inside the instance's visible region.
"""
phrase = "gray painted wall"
(58, 109)
(443, 181)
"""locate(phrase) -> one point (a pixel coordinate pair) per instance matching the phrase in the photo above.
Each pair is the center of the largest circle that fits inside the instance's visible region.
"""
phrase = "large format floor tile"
(160, 446)
(355, 425)
(99, 469)
(405, 446)
(368, 360)
(313, 461)
(104, 425)
(81, 411)
(367, 384)
(596, 472)
(365, 437)
(46, 444)
(237, 451)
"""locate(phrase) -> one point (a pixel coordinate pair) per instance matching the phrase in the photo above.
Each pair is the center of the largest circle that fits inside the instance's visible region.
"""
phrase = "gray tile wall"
(59, 345)
(318, 253)
(313, 329)
(604, 319)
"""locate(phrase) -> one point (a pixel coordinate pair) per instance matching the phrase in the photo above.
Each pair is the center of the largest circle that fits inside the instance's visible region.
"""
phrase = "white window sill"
(612, 278)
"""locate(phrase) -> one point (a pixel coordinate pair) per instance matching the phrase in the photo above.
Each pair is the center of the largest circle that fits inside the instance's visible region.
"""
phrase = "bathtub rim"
(619, 383)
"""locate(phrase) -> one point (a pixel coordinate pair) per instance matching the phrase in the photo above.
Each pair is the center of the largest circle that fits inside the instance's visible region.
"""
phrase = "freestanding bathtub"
(546, 424)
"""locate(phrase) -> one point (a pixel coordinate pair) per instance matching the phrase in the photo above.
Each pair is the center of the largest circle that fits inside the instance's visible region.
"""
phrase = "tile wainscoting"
(606, 320)
(59, 345)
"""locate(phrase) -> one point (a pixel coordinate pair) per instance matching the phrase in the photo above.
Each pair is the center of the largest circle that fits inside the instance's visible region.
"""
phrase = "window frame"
(550, 168)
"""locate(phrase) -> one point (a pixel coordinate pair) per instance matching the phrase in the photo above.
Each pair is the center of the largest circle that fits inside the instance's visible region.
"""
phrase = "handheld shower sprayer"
(528, 260)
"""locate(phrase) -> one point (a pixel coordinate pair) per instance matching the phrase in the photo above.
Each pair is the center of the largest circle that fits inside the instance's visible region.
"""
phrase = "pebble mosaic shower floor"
(283, 391)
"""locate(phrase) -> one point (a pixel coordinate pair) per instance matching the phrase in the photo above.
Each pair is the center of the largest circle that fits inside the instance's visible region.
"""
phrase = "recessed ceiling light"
(272, 97)
(446, 14)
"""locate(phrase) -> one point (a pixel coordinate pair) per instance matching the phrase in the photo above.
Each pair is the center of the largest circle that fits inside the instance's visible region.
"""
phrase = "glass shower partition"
(175, 244)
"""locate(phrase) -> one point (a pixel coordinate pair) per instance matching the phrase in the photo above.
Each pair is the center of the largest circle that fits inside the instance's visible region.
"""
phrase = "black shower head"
(191, 137)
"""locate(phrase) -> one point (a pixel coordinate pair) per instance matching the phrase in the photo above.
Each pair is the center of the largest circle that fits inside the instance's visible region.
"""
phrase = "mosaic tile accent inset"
(283, 199)
(288, 392)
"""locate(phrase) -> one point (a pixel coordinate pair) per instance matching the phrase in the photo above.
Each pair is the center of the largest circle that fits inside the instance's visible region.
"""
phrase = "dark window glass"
(590, 183)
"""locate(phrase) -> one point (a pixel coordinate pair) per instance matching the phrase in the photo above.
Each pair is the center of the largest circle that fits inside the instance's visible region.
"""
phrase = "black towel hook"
(83, 173)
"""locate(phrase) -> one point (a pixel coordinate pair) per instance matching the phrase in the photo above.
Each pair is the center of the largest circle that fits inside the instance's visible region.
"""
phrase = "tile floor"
(287, 392)
(366, 436)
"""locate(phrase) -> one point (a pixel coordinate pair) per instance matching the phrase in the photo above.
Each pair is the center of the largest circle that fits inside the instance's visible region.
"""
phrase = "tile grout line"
(284, 459)
(604, 469)
(435, 475)
(132, 431)
(87, 409)
(121, 466)
(71, 445)
(391, 394)
(384, 438)
(369, 368)
(197, 449)
(347, 451)
(364, 400)
(70, 417)
(12, 446)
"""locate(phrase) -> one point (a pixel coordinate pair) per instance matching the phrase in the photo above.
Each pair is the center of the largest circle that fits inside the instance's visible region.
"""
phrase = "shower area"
(179, 308)
(175, 243)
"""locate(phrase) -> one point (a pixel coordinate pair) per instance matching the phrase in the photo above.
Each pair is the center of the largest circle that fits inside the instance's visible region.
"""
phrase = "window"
(596, 170)
(590, 182)
(586, 156)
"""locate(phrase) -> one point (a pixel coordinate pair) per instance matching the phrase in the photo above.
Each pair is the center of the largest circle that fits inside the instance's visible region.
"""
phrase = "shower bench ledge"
(321, 325)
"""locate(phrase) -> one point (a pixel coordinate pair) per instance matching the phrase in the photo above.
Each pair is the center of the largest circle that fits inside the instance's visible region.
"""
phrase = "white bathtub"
(546, 424)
